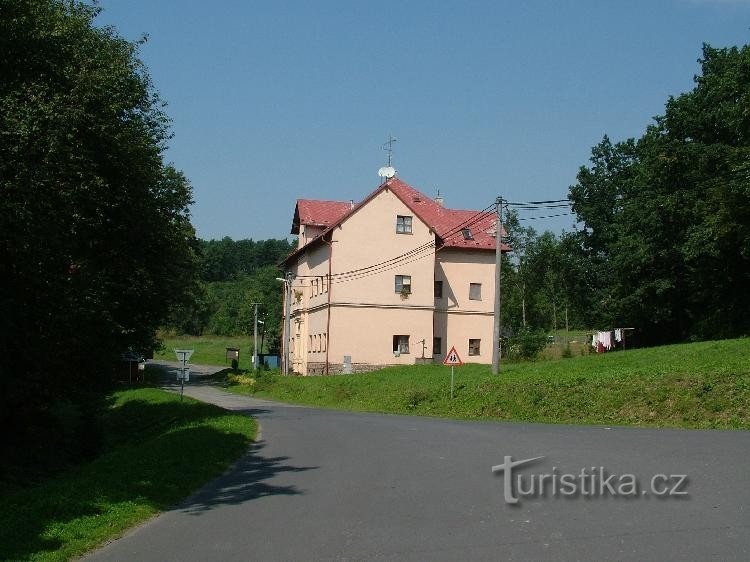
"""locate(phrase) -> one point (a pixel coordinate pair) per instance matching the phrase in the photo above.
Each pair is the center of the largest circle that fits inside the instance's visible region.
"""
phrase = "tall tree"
(96, 244)
(668, 217)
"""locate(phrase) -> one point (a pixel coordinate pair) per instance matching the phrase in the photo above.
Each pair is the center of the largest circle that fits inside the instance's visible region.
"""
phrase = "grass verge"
(697, 385)
(158, 451)
(208, 350)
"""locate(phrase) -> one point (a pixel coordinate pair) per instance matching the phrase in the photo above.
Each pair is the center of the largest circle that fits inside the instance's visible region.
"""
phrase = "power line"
(535, 207)
(387, 265)
(546, 217)
(539, 202)
(390, 268)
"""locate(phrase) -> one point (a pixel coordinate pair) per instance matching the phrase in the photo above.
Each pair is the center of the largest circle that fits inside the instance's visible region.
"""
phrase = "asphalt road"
(328, 485)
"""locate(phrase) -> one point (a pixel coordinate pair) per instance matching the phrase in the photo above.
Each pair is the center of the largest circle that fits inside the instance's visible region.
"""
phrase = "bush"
(526, 344)
(242, 380)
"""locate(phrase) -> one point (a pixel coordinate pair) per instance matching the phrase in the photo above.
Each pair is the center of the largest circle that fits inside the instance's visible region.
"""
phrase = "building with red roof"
(396, 279)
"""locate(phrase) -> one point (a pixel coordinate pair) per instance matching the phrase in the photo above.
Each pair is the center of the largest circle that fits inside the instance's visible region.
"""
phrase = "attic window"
(467, 234)
(403, 224)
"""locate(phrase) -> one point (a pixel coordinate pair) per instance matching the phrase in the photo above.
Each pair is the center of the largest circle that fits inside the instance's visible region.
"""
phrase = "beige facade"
(380, 286)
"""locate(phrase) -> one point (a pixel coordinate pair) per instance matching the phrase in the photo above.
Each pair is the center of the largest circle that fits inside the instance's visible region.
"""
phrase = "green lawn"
(698, 385)
(158, 451)
(209, 350)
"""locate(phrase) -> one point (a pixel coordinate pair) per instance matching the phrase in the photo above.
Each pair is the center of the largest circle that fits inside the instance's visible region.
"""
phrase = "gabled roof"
(318, 213)
(446, 223)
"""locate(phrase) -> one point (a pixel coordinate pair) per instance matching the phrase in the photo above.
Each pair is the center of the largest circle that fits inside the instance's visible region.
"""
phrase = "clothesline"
(602, 340)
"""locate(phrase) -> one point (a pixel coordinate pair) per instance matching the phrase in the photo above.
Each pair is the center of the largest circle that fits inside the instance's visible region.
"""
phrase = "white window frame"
(404, 224)
(402, 344)
(400, 285)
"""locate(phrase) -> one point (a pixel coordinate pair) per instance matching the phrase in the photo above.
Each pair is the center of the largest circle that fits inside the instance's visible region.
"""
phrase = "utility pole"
(498, 270)
(287, 281)
(288, 321)
(255, 338)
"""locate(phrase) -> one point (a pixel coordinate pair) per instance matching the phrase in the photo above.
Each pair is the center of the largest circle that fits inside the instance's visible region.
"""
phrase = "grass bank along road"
(326, 484)
(158, 451)
(698, 385)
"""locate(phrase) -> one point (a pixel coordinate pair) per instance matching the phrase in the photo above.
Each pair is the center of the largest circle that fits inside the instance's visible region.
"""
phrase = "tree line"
(234, 274)
(664, 237)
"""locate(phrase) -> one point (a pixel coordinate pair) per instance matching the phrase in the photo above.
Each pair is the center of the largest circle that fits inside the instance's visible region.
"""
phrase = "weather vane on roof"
(388, 171)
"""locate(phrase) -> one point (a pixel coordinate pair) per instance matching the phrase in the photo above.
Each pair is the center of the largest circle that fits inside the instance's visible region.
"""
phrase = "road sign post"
(453, 360)
(183, 371)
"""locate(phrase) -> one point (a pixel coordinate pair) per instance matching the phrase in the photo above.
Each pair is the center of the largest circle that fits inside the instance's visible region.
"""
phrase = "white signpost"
(453, 360)
(183, 371)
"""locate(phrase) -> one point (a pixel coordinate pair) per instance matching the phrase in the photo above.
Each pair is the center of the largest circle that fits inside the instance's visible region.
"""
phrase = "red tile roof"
(318, 213)
(446, 223)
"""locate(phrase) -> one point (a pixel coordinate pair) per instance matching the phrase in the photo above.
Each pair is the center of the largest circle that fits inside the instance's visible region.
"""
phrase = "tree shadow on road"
(247, 480)
(161, 451)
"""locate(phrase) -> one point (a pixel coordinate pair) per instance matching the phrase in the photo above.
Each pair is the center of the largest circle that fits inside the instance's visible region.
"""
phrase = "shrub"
(526, 344)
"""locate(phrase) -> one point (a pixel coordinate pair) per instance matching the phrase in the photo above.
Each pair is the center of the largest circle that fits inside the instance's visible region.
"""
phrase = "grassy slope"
(209, 350)
(158, 451)
(704, 384)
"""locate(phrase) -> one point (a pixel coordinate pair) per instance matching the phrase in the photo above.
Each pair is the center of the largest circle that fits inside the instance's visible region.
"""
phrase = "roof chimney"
(351, 203)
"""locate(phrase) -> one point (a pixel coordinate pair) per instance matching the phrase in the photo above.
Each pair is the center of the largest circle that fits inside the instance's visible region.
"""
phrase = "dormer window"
(467, 234)
(403, 224)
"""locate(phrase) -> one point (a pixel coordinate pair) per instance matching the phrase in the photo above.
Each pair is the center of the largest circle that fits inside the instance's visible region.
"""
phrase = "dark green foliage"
(543, 277)
(526, 344)
(227, 259)
(234, 275)
(96, 245)
(667, 217)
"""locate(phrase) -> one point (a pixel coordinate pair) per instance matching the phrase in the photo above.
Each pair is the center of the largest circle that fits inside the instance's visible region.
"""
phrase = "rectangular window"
(403, 284)
(475, 291)
(403, 224)
(401, 344)
(474, 347)
(438, 289)
(467, 234)
(310, 346)
(325, 342)
(437, 346)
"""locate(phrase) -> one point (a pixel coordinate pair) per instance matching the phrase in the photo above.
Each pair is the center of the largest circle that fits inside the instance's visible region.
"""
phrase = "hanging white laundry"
(618, 335)
(606, 339)
(594, 340)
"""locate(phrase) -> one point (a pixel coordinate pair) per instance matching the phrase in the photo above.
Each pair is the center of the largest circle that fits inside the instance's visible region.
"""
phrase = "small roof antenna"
(388, 171)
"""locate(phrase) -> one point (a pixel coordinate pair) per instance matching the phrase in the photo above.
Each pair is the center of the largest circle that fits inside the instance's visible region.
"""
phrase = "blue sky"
(275, 101)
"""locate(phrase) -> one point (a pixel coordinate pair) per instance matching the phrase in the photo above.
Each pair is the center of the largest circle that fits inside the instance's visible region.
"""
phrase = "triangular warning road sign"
(452, 358)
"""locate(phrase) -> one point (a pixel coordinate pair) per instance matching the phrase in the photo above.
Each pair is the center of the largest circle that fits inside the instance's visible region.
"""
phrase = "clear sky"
(275, 101)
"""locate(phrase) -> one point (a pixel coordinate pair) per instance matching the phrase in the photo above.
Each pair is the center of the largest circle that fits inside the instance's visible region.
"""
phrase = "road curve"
(330, 485)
